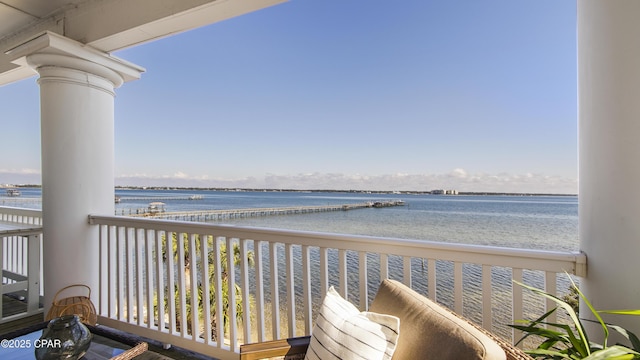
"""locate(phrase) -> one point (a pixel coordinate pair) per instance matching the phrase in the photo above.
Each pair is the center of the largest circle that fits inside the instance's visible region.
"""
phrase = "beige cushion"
(428, 331)
(343, 332)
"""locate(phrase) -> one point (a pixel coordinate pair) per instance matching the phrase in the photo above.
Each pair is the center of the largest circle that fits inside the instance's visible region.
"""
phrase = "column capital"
(51, 49)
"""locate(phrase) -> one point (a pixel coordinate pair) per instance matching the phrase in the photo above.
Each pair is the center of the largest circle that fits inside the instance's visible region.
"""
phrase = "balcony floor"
(12, 306)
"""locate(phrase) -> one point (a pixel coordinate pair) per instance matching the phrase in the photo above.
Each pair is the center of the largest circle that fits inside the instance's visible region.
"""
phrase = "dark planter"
(64, 338)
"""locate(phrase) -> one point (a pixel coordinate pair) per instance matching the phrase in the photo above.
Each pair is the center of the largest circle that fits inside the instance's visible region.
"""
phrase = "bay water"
(531, 222)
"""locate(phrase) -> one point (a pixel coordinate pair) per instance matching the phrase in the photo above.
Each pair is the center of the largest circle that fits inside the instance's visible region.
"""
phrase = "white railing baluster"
(130, 287)
(10, 254)
(19, 245)
(291, 291)
(260, 320)
(457, 287)
(384, 266)
(406, 270)
(139, 276)
(160, 283)
(275, 292)
(193, 289)
(324, 270)
(206, 286)
(104, 272)
(550, 287)
(149, 241)
(112, 259)
(219, 318)
(170, 288)
(244, 273)
(33, 271)
(181, 278)
(231, 279)
(433, 282)
(342, 270)
(487, 293)
(120, 254)
(517, 302)
(307, 314)
(364, 280)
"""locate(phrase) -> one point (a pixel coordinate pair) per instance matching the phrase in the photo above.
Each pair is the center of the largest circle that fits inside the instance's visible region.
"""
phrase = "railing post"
(33, 274)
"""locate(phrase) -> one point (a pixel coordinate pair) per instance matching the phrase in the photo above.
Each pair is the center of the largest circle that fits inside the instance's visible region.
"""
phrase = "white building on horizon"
(444, 192)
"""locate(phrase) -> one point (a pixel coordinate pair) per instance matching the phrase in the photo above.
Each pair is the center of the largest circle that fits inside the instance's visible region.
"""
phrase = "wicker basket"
(79, 305)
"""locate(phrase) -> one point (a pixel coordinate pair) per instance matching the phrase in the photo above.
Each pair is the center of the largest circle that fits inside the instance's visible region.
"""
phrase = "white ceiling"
(107, 25)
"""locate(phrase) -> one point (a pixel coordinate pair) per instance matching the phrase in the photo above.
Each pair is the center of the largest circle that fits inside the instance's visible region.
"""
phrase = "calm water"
(536, 222)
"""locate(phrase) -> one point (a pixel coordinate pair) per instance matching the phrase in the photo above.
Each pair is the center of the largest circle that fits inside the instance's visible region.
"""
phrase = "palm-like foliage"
(222, 258)
(571, 341)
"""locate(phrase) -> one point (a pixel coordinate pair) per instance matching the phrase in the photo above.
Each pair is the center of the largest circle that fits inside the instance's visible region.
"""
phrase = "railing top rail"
(20, 211)
(557, 261)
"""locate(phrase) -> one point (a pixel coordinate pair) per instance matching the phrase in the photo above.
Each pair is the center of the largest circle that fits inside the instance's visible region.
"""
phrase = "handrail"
(21, 215)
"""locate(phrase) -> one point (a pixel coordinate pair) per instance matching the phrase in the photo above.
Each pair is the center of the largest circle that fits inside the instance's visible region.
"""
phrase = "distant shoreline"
(391, 192)
(394, 192)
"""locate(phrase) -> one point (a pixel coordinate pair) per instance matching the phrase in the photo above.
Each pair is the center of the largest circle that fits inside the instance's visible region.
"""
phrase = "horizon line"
(399, 192)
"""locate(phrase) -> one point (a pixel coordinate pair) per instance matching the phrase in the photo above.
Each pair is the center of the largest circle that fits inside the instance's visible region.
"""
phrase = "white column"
(77, 128)
(609, 152)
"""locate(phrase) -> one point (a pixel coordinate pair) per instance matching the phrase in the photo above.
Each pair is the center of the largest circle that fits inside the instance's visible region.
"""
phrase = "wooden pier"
(158, 198)
(211, 215)
(18, 201)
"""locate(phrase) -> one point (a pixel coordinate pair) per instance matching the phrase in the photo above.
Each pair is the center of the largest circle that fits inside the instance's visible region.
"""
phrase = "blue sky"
(407, 95)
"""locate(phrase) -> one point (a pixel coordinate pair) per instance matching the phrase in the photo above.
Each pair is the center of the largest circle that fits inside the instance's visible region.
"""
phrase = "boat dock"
(210, 215)
(157, 198)
(18, 201)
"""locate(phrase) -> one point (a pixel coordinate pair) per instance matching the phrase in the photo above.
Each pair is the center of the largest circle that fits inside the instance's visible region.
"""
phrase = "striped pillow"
(343, 332)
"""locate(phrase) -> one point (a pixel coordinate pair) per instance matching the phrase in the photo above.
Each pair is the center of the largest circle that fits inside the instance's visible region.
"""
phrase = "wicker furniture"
(427, 331)
(80, 305)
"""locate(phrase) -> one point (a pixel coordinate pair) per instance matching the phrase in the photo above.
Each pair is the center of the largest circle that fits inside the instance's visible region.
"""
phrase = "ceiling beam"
(110, 25)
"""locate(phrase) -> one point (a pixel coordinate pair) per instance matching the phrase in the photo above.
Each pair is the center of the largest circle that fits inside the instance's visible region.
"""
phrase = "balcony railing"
(20, 261)
(150, 271)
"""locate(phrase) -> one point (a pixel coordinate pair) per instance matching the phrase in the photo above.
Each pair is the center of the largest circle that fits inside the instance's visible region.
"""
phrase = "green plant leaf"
(633, 339)
(621, 312)
(582, 346)
(616, 352)
(539, 331)
(555, 354)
